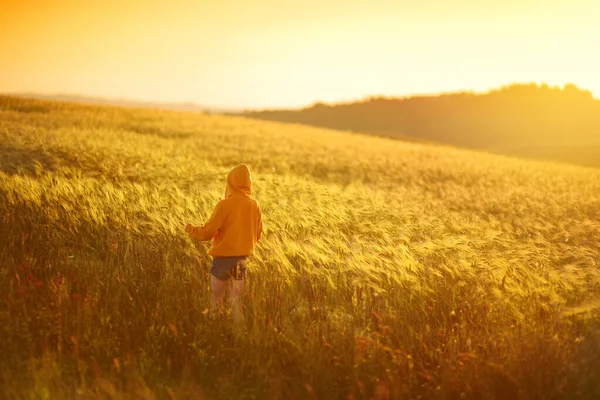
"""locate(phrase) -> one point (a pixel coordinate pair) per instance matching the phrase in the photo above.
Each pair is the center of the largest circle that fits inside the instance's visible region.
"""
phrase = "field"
(387, 270)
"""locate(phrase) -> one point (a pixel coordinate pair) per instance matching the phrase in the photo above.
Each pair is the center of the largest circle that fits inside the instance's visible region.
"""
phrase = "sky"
(292, 53)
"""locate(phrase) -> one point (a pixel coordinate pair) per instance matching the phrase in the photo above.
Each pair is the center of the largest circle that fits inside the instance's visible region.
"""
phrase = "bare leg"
(237, 290)
(217, 288)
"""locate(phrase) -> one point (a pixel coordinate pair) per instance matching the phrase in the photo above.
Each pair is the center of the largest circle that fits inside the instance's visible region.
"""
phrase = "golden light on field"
(429, 269)
(273, 53)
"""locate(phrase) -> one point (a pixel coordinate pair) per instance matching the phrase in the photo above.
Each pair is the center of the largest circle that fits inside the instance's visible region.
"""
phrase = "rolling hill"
(535, 121)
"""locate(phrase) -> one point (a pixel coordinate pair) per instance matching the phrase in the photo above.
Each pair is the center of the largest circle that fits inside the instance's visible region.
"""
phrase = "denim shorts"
(224, 268)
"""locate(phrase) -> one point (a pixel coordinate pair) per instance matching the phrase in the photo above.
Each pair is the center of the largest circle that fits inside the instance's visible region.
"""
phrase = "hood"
(239, 181)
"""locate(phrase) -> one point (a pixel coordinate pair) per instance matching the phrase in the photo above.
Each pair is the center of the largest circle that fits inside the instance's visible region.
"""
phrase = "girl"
(235, 227)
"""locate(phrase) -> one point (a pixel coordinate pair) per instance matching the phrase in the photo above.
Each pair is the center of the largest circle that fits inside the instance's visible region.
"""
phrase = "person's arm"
(259, 225)
(208, 230)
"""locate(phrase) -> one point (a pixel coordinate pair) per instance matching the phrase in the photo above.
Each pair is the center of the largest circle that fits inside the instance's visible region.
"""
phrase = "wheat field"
(388, 270)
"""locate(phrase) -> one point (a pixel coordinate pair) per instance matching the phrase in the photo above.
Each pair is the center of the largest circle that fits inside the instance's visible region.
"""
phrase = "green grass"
(387, 269)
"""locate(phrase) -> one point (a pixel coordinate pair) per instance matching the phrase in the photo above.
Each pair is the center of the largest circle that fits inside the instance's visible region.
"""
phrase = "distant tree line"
(509, 119)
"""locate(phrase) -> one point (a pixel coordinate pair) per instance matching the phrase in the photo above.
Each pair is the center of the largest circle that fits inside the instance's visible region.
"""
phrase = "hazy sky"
(277, 53)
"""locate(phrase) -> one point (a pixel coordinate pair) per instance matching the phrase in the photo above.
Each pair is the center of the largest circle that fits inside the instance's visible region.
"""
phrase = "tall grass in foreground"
(388, 269)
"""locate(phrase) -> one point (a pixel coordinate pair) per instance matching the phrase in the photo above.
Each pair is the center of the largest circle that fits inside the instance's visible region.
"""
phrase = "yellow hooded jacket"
(236, 223)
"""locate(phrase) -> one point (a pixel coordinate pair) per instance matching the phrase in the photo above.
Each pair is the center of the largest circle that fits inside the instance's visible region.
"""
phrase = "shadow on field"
(24, 105)
(14, 160)
(161, 132)
(35, 161)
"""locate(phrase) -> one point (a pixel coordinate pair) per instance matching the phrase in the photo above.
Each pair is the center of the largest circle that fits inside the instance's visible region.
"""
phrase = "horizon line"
(230, 109)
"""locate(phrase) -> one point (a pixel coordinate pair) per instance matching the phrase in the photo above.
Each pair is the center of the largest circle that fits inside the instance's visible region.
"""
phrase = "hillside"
(388, 269)
(524, 120)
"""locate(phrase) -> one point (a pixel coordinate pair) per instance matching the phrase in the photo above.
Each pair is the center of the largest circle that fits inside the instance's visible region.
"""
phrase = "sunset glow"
(276, 53)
